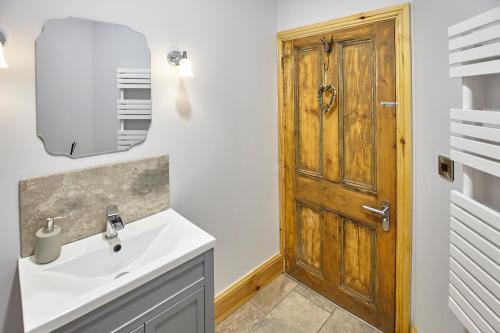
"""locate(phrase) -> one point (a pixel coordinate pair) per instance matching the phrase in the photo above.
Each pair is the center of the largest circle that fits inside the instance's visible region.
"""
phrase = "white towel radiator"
(474, 288)
(132, 109)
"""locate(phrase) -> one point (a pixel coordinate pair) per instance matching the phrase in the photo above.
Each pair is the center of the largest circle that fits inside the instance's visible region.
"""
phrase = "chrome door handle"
(383, 213)
(389, 103)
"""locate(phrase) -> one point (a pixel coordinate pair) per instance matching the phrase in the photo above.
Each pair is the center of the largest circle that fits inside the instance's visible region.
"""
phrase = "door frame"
(401, 16)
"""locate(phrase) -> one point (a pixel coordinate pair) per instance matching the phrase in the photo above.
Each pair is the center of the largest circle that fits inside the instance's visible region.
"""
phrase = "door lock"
(384, 214)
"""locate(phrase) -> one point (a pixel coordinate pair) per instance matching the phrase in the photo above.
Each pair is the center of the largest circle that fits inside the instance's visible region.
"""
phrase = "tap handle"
(112, 211)
(114, 217)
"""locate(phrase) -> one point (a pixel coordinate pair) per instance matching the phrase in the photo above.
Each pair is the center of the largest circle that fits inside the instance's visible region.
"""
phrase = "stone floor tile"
(316, 298)
(295, 314)
(242, 320)
(343, 322)
(268, 297)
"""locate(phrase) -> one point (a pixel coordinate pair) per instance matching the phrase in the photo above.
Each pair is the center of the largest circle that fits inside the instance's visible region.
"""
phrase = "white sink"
(89, 273)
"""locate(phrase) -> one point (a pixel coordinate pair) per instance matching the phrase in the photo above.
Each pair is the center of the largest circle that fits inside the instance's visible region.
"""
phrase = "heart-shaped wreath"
(326, 88)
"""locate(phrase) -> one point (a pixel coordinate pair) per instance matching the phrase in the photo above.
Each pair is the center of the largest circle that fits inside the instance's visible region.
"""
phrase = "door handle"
(383, 213)
(389, 103)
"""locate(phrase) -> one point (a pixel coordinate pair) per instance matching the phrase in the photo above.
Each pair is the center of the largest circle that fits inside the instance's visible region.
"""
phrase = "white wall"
(434, 94)
(217, 126)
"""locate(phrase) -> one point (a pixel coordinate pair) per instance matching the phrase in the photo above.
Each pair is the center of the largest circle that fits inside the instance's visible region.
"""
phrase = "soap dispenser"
(48, 242)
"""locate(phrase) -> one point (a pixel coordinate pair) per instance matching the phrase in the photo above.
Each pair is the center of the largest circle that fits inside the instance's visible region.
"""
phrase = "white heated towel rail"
(474, 287)
(132, 109)
(128, 138)
(133, 78)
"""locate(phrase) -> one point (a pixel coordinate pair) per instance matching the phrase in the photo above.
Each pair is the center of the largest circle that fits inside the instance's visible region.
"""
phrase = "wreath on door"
(326, 88)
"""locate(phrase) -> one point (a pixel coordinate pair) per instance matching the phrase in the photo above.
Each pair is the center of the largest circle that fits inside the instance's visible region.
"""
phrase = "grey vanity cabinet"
(179, 301)
(184, 317)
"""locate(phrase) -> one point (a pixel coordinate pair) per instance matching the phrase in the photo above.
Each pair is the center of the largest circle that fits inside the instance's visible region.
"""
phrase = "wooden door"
(338, 161)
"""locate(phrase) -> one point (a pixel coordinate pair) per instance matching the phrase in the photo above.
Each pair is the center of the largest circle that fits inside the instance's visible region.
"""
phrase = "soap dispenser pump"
(48, 242)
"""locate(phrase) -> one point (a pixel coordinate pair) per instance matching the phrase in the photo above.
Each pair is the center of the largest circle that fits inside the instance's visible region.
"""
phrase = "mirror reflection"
(93, 87)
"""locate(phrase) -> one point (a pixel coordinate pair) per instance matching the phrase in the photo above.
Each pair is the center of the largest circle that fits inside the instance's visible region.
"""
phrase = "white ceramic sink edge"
(89, 274)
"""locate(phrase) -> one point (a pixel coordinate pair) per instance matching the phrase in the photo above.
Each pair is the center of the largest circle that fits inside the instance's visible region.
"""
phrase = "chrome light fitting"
(177, 58)
(3, 63)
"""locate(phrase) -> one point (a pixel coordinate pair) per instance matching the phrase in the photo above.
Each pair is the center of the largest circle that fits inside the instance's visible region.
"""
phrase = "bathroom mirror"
(93, 87)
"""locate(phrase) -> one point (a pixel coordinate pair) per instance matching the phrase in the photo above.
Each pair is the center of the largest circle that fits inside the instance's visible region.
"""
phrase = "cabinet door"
(186, 316)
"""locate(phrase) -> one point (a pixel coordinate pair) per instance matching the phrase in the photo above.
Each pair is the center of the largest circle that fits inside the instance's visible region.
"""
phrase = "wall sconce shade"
(176, 58)
(3, 63)
(185, 69)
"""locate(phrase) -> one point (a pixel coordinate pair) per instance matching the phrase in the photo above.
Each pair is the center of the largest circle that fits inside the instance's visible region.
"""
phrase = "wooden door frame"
(401, 16)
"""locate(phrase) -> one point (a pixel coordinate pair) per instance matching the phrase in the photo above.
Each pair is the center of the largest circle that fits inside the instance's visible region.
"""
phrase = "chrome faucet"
(114, 221)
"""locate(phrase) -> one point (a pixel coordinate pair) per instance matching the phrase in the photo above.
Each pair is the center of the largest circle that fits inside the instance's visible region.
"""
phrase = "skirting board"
(233, 297)
(413, 329)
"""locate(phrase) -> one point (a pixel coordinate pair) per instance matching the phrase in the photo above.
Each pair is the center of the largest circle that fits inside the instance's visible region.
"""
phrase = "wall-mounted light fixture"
(177, 58)
(3, 63)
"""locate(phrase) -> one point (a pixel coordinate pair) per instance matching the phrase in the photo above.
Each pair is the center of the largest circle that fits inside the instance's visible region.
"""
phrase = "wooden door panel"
(310, 237)
(338, 161)
(309, 118)
(358, 259)
(331, 126)
(331, 282)
(337, 198)
(356, 94)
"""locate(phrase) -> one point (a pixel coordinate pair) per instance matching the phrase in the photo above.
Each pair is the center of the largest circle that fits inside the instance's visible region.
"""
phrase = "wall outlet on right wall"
(446, 168)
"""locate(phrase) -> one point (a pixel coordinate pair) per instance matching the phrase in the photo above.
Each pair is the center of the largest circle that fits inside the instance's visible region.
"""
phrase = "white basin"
(89, 273)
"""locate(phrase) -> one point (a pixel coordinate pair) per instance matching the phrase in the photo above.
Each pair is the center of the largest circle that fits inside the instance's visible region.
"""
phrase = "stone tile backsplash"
(139, 188)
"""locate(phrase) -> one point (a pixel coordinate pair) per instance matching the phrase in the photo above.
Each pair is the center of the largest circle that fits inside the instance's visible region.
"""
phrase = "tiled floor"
(285, 306)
